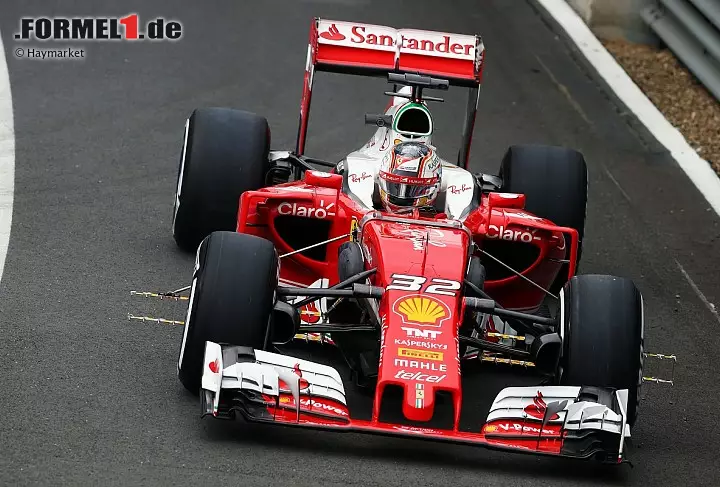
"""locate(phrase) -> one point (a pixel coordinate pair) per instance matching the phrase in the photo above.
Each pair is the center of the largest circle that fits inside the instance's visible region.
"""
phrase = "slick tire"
(224, 154)
(602, 332)
(554, 181)
(231, 298)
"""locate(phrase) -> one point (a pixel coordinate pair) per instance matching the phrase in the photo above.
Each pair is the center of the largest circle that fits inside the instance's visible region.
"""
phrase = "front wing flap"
(270, 386)
(569, 421)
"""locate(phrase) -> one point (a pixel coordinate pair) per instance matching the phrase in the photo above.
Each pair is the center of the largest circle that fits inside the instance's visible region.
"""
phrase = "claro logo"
(501, 233)
(299, 209)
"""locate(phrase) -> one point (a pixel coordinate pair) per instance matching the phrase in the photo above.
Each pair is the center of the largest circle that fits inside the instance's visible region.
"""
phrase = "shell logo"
(421, 310)
(491, 428)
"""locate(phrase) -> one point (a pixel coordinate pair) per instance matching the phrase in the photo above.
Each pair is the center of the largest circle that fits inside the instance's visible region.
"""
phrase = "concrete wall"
(613, 19)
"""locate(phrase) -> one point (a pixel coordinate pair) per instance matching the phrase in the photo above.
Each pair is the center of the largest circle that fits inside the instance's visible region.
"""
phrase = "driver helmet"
(409, 176)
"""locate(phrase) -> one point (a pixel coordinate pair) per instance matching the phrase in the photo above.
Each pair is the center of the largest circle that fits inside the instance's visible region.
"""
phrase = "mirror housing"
(507, 200)
(324, 179)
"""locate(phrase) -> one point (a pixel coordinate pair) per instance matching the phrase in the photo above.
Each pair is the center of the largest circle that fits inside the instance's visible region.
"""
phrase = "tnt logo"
(417, 333)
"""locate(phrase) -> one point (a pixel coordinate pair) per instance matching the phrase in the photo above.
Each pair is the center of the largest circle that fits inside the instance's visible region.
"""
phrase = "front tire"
(603, 333)
(231, 298)
(224, 154)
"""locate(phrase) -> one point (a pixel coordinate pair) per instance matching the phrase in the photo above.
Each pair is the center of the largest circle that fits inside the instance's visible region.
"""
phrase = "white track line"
(7, 158)
(699, 293)
(696, 168)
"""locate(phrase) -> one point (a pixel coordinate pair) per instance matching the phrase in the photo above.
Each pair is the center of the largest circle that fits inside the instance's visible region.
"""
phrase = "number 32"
(404, 282)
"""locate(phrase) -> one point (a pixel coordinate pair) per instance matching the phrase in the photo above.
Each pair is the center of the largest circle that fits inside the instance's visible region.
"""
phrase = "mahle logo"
(98, 29)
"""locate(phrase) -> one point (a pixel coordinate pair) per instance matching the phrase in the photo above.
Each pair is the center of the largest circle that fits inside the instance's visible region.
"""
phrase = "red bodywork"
(421, 310)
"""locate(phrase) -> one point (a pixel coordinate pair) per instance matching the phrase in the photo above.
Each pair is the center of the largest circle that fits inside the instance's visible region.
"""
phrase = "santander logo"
(382, 38)
(333, 34)
(538, 407)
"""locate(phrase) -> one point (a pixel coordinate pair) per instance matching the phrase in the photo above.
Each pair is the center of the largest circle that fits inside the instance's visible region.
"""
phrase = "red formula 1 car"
(486, 274)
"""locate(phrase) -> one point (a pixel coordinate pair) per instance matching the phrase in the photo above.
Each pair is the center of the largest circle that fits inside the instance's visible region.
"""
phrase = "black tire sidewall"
(232, 299)
(554, 181)
(603, 335)
(226, 154)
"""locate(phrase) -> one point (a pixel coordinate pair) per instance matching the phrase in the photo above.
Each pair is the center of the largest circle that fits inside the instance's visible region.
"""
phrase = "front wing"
(274, 388)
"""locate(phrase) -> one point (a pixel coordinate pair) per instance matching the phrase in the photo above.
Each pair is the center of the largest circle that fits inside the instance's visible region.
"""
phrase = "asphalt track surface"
(90, 398)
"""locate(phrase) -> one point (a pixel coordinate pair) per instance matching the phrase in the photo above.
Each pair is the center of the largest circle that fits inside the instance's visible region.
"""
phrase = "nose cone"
(419, 396)
(422, 267)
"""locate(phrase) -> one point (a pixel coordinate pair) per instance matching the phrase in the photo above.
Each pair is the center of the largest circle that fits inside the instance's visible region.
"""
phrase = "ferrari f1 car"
(486, 274)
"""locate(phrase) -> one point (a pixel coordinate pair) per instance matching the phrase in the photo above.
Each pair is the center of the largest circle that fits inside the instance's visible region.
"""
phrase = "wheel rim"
(181, 172)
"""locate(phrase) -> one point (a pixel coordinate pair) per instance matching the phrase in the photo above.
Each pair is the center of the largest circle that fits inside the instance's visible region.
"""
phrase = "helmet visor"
(405, 191)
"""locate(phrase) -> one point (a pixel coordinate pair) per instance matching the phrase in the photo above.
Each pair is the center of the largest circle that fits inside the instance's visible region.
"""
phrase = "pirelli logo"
(420, 354)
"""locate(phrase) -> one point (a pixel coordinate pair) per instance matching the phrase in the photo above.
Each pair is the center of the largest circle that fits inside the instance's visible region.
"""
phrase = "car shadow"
(412, 451)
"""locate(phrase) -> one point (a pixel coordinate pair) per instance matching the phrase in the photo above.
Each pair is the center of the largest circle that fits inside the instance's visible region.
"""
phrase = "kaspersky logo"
(421, 310)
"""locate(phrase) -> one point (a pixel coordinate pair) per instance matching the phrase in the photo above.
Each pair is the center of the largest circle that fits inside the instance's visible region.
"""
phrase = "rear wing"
(374, 50)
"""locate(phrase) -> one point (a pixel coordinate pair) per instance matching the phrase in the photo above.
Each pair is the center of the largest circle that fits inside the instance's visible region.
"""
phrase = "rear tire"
(554, 181)
(231, 298)
(224, 154)
(602, 329)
